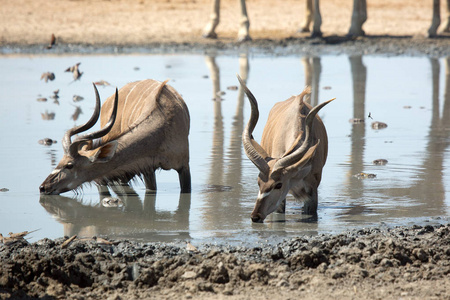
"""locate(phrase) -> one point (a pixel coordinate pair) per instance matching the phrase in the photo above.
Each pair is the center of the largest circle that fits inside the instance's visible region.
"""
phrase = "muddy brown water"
(410, 94)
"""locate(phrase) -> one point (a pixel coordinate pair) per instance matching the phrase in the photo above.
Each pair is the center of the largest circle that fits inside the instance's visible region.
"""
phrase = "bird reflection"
(48, 116)
(76, 114)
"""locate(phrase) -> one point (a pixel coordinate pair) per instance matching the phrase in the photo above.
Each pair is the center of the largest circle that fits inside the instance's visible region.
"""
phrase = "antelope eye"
(69, 166)
(278, 186)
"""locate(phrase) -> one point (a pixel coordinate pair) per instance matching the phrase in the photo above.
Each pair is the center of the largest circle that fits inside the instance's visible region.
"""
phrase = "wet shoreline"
(372, 45)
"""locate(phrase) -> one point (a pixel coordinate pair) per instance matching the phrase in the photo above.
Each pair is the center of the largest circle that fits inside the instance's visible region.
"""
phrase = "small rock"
(338, 273)
(420, 254)
(77, 98)
(380, 162)
(282, 282)
(189, 275)
(42, 99)
(378, 125)
(47, 142)
(363, 175)
(55, 290)
(322, 268)
(111, 202)
(228, 291)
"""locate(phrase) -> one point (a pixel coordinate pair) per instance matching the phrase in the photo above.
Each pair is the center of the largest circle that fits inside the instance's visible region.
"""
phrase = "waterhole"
(411, 95)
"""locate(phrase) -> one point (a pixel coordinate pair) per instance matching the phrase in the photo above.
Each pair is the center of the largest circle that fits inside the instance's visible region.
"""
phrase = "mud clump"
(403, 261)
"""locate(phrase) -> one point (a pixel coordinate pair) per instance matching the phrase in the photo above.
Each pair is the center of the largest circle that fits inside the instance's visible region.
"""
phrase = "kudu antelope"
(147, 129)
(291, 156)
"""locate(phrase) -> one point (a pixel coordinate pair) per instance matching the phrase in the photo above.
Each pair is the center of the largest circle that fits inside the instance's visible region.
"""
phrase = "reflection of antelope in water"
(132, 218)
(225, 165)
(428, 187)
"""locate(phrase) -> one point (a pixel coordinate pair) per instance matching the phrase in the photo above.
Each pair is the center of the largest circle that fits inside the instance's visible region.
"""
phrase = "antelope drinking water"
(291, 156)
(144, 127)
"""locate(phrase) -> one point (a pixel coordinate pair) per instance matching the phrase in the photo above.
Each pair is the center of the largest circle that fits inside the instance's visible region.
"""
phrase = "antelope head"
(278, 175)
(82, 157)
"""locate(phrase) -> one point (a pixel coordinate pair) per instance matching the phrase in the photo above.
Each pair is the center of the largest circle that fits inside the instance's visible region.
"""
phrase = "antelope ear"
(305, 159)
(103, 153)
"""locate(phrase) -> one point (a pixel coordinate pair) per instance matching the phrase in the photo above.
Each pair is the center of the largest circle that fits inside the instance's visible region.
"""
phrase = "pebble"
(47, 142)
(379, 125)
(380, 162)
(363, 175)
(77, 98)
(189, 275)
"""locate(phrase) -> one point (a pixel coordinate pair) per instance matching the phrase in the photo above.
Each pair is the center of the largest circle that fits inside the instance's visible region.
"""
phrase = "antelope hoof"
(246, 38)
(304, 30)
(210, 35)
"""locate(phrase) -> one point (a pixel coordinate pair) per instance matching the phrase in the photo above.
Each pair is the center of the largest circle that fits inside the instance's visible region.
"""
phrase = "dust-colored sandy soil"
(154, 22)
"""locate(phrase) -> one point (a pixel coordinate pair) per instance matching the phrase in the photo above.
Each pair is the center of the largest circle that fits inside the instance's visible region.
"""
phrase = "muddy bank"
(371, 45)
(411, 262)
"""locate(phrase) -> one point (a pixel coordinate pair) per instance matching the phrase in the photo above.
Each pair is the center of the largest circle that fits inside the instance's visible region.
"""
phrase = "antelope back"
(140, 101)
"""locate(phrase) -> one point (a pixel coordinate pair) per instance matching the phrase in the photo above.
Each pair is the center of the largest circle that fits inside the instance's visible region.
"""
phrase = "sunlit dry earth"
(144, 21)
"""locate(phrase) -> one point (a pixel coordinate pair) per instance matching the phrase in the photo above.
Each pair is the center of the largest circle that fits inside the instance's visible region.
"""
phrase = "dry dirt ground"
(179, 23)
(402, 263)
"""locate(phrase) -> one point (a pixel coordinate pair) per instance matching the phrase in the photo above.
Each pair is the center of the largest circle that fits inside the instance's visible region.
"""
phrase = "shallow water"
(410, 94)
